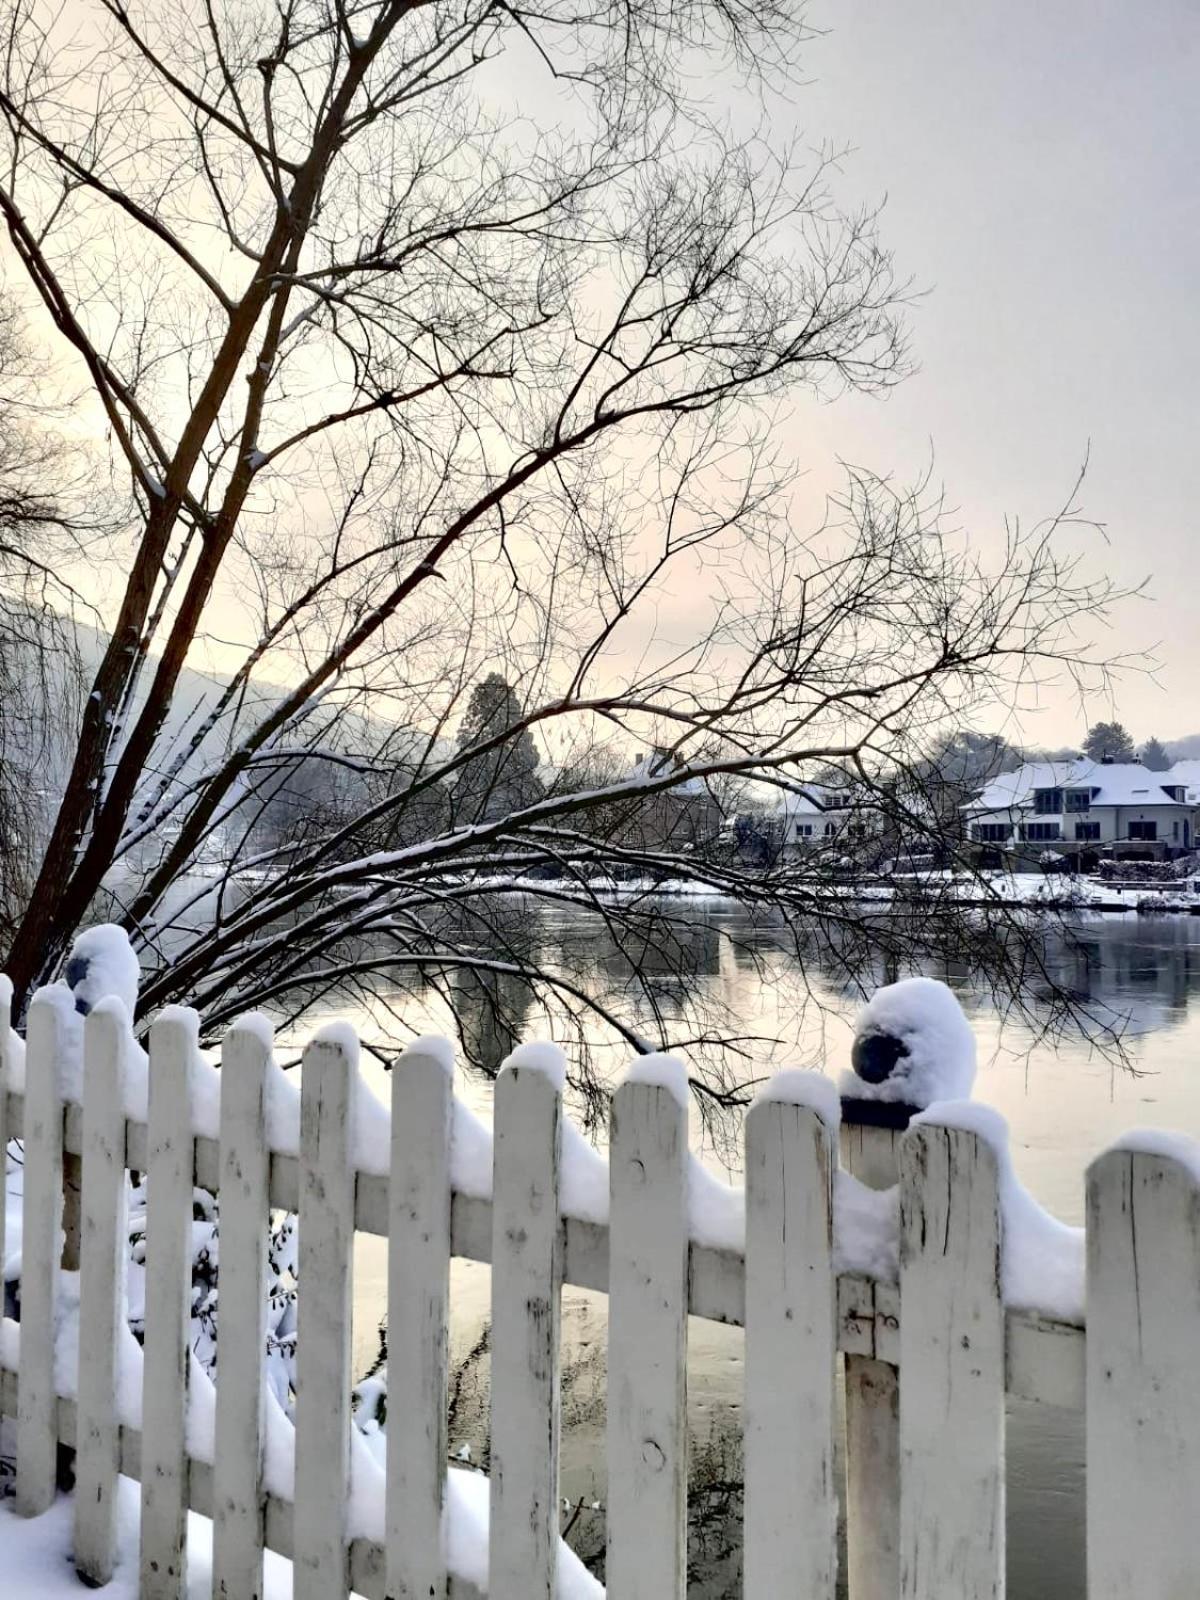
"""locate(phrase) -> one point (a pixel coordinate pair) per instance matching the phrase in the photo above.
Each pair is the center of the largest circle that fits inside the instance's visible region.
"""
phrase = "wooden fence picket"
(526, 1297)
(327, 1096)
(170, 1166)
(37, 1404)
(418, 1320)
(870, 1152)
(647, 1346)
(952, 1369)
(104, 1249)
(242, 1329)
(790, 1525)
(1143, 1402)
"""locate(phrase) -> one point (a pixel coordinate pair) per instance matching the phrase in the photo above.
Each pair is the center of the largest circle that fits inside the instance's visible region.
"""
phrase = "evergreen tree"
(1154, 755)
(1109, 741)
(504, 778)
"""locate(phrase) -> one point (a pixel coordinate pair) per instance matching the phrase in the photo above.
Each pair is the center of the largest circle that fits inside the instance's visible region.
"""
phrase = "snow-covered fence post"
(869, 1139)
(328, 1081)
(170, 1169)
(952, 1368)
(526, 1295)
(870, 1136)
(101, 966)
(647, 1334)
(912, 1045)
(245, 1212)
(46, 1044)
(104, 1249)
(418, 1312)
(790, 1537)
(1143, 1402)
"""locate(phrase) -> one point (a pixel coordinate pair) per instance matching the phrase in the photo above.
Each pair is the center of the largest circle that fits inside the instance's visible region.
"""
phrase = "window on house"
(1143, 830)
(1079, 799)
(829, 830)
(1047, 802)
(1040, 832)
(1087, 830)
(804, 830)
(991, 832)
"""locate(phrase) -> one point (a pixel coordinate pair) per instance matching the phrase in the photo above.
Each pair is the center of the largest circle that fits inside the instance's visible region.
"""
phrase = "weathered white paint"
(1143, 1402)
(790, 1356)
(418, 1313)
(321, 1570)
(872, 1394)
(871, 1154)
(104, 1248)
(952, 1362)
(526, 1296)
(647, 1346)
(872, 1391)
(165, 1368)
(37, 1436)
(238, 1501)
(1045, 1357)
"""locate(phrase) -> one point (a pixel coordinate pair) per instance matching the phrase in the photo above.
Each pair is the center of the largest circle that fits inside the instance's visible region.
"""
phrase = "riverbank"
(1032, 891)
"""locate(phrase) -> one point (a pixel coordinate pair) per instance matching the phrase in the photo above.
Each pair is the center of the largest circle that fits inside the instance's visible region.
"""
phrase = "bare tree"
(441, 343)
(42, 520)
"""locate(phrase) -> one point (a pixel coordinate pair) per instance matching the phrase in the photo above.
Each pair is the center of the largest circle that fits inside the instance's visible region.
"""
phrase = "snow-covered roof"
(1014, 789)
(648, 765)
(799, 803)
(812, 799)
(1118, 783)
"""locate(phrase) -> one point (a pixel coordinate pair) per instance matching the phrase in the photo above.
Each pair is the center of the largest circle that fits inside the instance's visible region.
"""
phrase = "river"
(1064, 1102)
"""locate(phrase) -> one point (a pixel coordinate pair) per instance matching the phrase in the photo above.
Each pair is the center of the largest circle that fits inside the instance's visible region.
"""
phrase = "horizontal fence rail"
(1044, 1354)
(307, 1493)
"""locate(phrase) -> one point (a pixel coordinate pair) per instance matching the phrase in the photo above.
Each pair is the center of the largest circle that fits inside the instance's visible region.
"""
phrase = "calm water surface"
(1064, 1102)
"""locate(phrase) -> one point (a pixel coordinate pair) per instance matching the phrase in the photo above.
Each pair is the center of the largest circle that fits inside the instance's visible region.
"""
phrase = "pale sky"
(1041, 169)
(1041, 163)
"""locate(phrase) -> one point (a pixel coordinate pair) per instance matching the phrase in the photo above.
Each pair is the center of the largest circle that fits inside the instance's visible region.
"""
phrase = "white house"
(815, 815)
(1084, 805)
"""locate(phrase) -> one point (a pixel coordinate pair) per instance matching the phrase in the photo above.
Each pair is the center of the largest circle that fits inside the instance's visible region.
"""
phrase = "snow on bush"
(912, 1044)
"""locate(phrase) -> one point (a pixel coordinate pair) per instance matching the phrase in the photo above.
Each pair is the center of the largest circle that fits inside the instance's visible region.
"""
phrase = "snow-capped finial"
(912, 1043)
(102, 964)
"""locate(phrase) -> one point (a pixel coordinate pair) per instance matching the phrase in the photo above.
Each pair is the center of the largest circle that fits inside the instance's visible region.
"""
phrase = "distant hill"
(54, 686)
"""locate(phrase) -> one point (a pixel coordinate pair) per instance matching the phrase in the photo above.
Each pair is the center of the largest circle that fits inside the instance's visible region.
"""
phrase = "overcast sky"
(1041, 164)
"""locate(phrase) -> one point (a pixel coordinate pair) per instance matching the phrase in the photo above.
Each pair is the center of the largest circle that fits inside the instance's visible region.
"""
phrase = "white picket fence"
(926, 1490)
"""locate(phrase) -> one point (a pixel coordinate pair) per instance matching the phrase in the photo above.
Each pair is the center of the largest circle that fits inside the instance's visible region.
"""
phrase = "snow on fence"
(927, 1279)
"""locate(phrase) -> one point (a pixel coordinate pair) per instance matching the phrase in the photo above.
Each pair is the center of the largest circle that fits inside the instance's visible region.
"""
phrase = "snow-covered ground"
(36, 1562)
